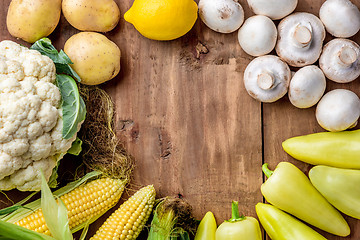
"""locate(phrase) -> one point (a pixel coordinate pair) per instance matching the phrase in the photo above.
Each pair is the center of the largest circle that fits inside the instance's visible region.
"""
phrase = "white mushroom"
(224, 16)
(274, 9)
(300, 39)
(307, 87)
(338, 110)
(258, 35)
(267, 78)
(340, 17)
(340, 60)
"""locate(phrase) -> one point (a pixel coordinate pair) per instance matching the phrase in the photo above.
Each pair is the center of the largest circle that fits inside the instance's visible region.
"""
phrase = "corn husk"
(55, 213)
(172, 220)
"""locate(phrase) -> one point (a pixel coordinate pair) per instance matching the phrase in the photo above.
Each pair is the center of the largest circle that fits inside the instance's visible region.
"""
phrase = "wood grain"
(189, 123)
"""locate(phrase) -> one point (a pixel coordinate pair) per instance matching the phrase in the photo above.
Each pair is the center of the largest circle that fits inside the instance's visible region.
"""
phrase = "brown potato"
(91, 15)
(96, 59)
(32, 20)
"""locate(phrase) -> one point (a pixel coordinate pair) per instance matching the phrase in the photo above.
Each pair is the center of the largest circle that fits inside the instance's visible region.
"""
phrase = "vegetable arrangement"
(298, 41)
(46, 77)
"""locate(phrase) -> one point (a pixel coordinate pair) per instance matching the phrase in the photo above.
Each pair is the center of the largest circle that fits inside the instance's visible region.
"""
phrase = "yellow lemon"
(162, 19)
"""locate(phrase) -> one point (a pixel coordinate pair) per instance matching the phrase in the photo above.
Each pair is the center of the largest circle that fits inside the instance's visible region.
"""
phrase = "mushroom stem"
(265, 80)
(302, 35)
(347, 56)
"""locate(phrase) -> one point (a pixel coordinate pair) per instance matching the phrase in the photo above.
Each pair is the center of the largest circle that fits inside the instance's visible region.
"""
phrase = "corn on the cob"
(82, 203)
(128, 221)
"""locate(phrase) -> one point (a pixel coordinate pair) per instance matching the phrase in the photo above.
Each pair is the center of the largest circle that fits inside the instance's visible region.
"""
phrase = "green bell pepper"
(282, 226)
(288, 189)
(238, 227)
(336, 149)
(339, 186)
(207, 228)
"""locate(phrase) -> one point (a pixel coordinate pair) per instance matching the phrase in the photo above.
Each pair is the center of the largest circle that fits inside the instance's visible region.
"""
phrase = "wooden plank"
(282, 120)
(188, 121)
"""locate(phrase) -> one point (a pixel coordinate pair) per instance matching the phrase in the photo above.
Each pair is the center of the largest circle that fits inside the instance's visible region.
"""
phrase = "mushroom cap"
(274, 9)
(224, 16)
(300, 39)
(340, 60)
(340, 17)
(307, 87)
(267, 78)
(338, 110)
(258, 35)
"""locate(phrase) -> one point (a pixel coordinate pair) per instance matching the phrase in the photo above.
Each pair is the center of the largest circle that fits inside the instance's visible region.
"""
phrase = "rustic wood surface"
(188, 121)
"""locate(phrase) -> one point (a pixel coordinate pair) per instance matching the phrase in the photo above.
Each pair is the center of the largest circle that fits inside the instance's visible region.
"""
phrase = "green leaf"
(10, 231)
(60, 59)
(76, 147)
(184, 236)
(63, 221)
(53, 183)
(55, 214)
(85, 231)
(66, 69)
(45, 47)
(73, 106)
(10, 209)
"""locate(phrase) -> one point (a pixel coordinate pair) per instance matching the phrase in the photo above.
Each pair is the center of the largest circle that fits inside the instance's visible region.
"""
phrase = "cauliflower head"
(30, 118)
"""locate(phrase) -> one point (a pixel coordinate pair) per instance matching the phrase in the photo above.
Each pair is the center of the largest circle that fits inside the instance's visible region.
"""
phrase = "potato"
(31, 20)
(96, 59)
(91, 15)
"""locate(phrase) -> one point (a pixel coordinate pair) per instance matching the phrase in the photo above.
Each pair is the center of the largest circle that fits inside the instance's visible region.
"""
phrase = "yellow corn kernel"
(128, 221)
(82, 203)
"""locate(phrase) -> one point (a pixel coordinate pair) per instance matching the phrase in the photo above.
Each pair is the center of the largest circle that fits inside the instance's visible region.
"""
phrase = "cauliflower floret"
(30, 118)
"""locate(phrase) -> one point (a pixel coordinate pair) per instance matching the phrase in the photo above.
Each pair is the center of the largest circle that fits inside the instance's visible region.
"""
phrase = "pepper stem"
(235, 216)
(266, 170)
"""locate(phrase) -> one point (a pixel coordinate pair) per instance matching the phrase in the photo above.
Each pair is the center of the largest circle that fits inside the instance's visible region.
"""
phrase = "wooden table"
(188, 120)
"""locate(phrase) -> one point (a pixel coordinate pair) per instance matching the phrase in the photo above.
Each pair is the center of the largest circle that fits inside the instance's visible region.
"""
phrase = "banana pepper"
(339, 186)
(336, 149)
(282, 226)
(238, 227)
(289, 189)
(207, 228)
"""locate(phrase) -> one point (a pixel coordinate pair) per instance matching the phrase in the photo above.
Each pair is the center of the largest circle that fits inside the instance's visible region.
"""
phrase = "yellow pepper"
(282, 226)
(288, 189)
(336, 149)
(238, 227)
(207, 228)
(339, 186)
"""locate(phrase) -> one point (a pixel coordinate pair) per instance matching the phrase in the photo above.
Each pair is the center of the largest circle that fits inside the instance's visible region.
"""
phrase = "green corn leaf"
(73, 106)
(85, 230)
(63, 221)
(17, 207)
(55, 214)
(10, 209)
(9, 231)
(184, 236)
(60, 59)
